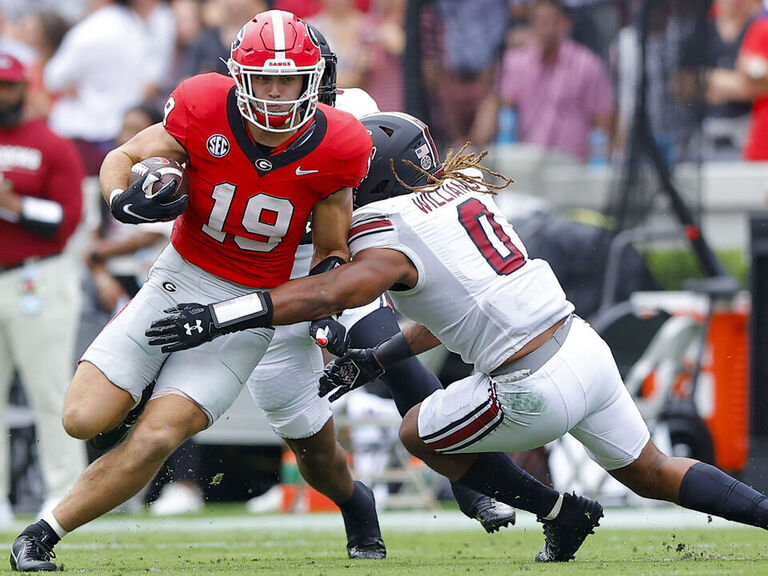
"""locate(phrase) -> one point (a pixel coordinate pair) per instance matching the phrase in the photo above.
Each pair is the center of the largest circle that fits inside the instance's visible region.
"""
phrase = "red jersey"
(40, 164)
(755, 43)
(248, 205)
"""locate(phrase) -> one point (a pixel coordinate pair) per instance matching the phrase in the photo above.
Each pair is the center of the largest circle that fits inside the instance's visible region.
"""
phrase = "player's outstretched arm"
(371, 273)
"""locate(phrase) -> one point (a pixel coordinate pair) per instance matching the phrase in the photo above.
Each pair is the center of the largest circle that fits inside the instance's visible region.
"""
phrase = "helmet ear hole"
(380, 188)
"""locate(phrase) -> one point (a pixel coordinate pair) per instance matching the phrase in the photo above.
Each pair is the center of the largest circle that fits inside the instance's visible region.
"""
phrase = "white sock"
(51, 520)
(555, 509)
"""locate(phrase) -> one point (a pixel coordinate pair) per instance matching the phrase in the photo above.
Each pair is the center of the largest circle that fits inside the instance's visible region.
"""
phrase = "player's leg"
(410, 382)
(111, 479)
(93, 404)
(118, 475)
(284, 386)
(193, 388)
(568, 519)
(322, 462)
(529, 405)
(630, 456)
(694, 485)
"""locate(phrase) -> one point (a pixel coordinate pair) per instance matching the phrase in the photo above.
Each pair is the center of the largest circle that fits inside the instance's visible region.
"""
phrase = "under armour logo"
(198, 326)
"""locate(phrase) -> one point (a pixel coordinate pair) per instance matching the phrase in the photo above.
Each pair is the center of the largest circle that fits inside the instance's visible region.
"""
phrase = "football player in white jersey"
(432, 235)
(284, 384)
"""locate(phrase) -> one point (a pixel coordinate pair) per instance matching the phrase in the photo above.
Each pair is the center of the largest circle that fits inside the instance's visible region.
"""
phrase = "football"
(169, 170)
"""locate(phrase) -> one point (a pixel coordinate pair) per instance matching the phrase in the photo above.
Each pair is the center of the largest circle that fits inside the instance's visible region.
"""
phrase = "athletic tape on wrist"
(242, 310)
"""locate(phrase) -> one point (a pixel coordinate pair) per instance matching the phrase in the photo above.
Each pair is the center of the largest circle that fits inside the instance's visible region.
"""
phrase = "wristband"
(114, 194)
(392, 351)
(326, 264)
(249, 311)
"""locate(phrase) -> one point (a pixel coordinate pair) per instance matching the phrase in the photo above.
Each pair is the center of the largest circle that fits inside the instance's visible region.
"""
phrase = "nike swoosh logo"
(127, 210)
(300, 172)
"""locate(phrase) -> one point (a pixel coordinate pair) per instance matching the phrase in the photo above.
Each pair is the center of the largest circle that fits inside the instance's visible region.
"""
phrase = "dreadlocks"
(453, 168)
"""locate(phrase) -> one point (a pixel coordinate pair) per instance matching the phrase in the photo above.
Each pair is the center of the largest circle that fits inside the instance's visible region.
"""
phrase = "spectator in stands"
(559, 89)
(748, 82)
(472, 41)
(98, 72)
(386, 44)
(43, 31)
(40, 204)
(727, 117)
(345, 28)
(160, 27)
(189, 26)
(308, 8)
(211, 50)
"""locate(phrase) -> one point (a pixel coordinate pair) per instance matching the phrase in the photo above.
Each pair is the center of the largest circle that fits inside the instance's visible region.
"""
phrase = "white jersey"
(477, 290)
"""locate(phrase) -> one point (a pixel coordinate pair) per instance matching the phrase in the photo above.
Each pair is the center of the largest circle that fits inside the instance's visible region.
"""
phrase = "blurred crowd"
(558, 74)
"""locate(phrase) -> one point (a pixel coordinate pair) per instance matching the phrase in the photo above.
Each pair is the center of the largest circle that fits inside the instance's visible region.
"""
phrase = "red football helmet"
(276, 43)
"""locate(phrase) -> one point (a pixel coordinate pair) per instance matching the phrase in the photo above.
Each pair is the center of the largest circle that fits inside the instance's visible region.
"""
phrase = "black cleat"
(31, 553)
(493, 514)
(110, 439)
(367, 549)
(364, 540)
(563, 536)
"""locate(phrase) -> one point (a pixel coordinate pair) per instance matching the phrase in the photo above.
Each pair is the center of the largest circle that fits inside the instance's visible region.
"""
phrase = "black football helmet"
(327, 93)
(400, 137)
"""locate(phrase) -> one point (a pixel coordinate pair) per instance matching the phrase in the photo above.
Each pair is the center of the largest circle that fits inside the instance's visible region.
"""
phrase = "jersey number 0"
(489, 237)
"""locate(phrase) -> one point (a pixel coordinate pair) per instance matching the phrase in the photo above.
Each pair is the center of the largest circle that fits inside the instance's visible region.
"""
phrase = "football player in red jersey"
(262, 157)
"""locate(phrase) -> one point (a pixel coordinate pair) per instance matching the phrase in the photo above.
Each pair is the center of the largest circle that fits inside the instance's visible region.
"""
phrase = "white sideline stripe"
(402, 521)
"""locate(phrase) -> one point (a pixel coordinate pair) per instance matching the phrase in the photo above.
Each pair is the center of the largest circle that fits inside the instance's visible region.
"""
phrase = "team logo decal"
(263, 164)
(422, 153)
(218, 145)
(169, 286)
(198, 327)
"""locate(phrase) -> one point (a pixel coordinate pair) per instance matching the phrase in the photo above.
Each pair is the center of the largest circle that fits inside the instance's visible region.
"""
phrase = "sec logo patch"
(218, 145)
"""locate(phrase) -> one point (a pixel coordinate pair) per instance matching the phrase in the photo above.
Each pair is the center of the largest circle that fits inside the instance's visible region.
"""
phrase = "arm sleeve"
(371, 228)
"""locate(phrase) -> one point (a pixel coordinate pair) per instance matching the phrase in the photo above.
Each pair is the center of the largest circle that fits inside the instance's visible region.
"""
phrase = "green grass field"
(226, 541)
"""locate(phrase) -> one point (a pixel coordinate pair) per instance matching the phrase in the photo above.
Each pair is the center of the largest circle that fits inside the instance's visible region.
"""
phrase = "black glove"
(132, 205)
(190, 324)
(331, 335)
(186, 326)
(356, 368)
